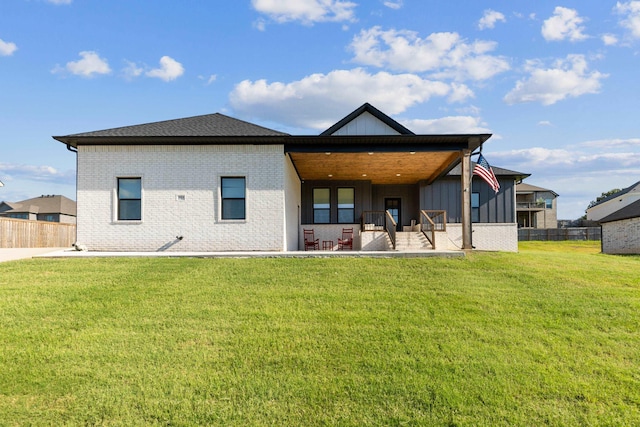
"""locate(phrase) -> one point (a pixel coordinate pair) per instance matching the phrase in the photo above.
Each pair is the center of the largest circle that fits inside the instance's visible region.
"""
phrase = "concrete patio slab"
(71, 253)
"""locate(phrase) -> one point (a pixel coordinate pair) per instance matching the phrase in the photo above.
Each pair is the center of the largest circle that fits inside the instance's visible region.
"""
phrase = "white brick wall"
(486, 237)
(190, 171)
(292, 201)
(621, 237)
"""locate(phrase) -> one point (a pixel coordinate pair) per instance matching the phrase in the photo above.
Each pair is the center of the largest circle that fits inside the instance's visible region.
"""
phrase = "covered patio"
(382, 170)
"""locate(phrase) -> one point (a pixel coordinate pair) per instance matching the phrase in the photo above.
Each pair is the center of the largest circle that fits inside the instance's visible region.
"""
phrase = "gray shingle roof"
(207, 125)
(44, 205)
(456, 171)
(629, 211)
(618, 194)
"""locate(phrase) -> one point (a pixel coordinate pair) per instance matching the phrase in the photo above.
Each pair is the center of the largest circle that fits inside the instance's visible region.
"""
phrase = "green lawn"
(547, 336)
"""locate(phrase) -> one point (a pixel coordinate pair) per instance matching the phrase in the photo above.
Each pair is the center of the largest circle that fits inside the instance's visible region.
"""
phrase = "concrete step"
(412, 241)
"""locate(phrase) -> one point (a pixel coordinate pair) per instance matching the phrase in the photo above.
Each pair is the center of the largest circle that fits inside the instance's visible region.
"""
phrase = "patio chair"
(310, 241)
(346, 242)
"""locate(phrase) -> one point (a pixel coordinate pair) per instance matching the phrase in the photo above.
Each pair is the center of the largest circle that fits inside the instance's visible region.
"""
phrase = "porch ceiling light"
(397, 174)
(328, 153)
(364, 174)
(370, 153)
(412, 152)
(330, 175)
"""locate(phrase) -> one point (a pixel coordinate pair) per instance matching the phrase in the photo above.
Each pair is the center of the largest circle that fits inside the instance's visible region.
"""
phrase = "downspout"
(75, 150)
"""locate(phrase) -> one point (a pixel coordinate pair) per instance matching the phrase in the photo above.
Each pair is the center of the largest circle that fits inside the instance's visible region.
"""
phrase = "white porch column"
(465, 185)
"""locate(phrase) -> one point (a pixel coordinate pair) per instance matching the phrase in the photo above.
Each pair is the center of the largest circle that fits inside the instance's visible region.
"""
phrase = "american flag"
(484, 171)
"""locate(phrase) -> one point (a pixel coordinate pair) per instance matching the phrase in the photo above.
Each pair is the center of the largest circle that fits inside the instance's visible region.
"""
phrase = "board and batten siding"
(444, 194)
(365, 124)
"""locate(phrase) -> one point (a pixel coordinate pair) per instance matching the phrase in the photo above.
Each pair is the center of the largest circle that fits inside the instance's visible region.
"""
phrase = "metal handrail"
(432, 221)
(530, 205)
(372, 220)
(390, 225)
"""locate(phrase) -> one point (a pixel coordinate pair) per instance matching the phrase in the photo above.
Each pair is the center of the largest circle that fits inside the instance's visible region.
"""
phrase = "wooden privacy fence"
(21, 233)
(572, 233)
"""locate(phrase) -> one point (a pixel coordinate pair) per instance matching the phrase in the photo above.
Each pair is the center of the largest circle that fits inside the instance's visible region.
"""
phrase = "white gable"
(366, 124)
(597, 212)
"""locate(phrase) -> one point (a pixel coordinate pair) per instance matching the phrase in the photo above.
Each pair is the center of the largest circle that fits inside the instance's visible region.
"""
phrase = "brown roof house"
(52, 208)
(621, 230)
(216, 183)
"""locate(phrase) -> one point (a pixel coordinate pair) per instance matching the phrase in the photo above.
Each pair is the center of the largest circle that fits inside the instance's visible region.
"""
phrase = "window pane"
(549, 203)
(475, 200)
(321, 216)
(321, 198)
(129, 188)
(346, 198)
(233, 209)
(129, 209)
(233, 198)
(233, 188)
(345, 216)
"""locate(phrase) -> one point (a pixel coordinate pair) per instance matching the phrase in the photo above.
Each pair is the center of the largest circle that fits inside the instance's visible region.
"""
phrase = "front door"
(393, 206)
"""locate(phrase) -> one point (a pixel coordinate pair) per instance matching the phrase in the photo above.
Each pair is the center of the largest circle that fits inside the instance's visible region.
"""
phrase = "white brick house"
(621, 231)
(215, 183)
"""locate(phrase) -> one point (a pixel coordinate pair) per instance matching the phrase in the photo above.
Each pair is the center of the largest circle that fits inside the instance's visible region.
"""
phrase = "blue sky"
(554, 82)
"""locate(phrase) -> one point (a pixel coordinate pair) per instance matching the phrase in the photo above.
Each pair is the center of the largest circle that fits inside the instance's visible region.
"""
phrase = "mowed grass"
(547, 336)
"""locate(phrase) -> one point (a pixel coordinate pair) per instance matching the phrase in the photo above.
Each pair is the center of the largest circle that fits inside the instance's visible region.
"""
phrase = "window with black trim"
(346, 205)
(129, 199)
(475, 207)
(321, 206)
(233, 192)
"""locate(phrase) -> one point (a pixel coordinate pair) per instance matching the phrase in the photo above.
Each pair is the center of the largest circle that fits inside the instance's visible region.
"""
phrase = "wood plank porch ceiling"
(377, 167)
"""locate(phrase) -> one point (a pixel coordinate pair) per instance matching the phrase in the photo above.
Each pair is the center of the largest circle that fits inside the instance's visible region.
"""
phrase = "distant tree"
(603, 196)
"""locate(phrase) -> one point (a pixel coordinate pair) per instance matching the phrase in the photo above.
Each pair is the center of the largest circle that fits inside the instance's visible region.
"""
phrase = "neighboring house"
(614, 202)
(51, 208)
(536, 207)
(621, 230)
(215, 183)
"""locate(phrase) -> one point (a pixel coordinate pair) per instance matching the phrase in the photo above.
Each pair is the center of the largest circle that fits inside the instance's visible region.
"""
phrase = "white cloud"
(609, 39)
(579, 174)
(490, 18)
(446, 54)
(545, 123)
(397, 4)
(169, 70)
(331, 95)
(40, 173)
(631, 20)
(132, 70)
(306, 11)
(613, 143)
(90, 65)
(60, 1)
(260, 24)
(7, 48)
(567, 78)
(564, 24)
(447, 125)
(210, 79)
